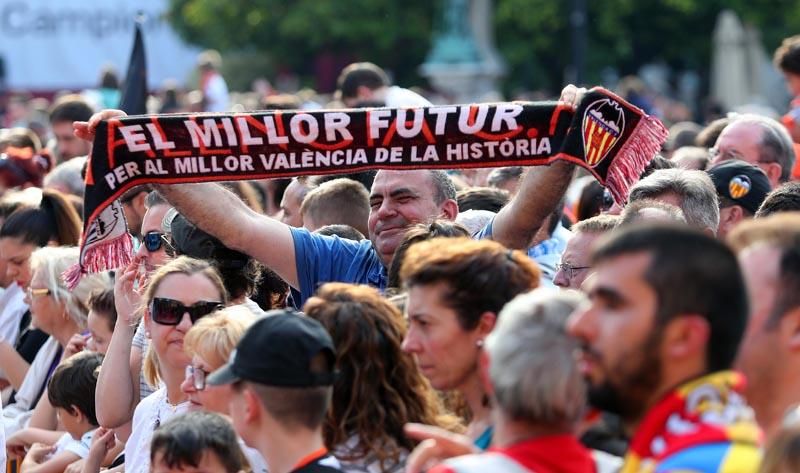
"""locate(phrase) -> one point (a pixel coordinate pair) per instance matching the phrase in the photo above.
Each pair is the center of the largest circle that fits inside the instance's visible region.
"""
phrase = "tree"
(533, 35)
(301, 34)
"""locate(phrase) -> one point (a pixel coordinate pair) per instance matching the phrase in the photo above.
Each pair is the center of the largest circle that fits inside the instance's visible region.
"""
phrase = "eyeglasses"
(153, 240)
(38, 292)
(717, 155)
(569, 269)
(170, 312)
(198, 377)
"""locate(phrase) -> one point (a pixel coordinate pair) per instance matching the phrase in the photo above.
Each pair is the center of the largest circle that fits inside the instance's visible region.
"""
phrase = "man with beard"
(668, 311)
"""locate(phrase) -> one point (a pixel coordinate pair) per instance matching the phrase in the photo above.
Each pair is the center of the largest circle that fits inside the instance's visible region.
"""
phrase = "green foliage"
(297, 33)
(533, 35)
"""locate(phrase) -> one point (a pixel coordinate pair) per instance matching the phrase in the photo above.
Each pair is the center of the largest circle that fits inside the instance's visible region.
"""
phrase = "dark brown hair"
(372, 400)
(73, 384)
(102, 303)
(787, 56)
(480, 275)
(55, 219)
(415, 234)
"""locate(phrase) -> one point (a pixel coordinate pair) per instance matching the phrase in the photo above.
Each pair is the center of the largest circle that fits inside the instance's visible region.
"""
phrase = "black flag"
(134, 96)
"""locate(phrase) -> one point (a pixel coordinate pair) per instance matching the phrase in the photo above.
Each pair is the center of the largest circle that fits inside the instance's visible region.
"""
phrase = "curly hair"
(373, 400)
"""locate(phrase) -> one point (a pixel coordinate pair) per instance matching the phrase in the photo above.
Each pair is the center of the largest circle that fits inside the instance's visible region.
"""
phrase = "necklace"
(161, 403)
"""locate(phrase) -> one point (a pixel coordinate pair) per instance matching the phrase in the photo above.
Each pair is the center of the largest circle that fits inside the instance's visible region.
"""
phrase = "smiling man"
(668, 311)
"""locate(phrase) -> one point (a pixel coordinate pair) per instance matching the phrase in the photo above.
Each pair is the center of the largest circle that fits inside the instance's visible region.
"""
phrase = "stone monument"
(463, 63)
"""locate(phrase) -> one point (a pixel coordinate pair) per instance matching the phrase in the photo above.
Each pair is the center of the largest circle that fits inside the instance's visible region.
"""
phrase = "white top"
(400, 97)
(254, 458)
(368, 464)
(2, 439)
(16, 416)
(12, 308)
(151, 412)
(79, 447)
(216, 94)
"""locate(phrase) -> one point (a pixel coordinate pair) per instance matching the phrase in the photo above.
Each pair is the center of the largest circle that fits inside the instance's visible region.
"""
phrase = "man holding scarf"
(398, 199)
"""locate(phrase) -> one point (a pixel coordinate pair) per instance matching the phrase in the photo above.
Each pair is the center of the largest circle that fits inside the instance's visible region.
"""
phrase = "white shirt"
(151, 412)
(368, 464)
(79, 447)
(12, 308)
(400, 97)
(2, 439)
(216, 94)
(16, 416)
(254, 458)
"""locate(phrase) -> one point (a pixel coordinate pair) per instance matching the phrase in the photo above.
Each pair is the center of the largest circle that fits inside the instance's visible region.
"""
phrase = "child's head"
(71, 391)
(194, 442)
(101, 320)
(787, 59)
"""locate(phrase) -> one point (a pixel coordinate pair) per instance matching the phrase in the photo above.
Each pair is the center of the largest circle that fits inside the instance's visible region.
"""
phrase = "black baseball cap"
(189, 240)
(740, 182)
(277, 350)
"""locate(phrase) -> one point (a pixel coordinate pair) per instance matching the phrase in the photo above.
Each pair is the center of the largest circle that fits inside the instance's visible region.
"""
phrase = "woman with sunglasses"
(210, 343)
(177, 295)
(58, 312)
(53, 222)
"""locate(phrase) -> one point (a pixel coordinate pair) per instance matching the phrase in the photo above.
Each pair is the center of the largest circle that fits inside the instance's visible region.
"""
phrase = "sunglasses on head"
(152, 241)
(170, 312)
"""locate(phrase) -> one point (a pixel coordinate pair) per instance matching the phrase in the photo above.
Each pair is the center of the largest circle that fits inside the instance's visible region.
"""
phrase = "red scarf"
(710, 409)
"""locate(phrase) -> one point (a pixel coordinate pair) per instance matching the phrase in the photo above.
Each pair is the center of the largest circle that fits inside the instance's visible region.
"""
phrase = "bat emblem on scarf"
(603, 124)
(105, 224)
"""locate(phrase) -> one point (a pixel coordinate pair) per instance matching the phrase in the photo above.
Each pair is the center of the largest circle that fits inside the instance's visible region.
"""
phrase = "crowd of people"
(498, 319)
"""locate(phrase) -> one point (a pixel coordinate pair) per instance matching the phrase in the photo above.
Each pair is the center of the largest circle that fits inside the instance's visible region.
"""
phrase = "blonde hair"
(213, 338)
(50, 263)
(181, 265)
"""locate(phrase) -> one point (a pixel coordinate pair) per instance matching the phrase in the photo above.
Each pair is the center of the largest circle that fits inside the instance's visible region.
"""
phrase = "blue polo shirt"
(322, 259)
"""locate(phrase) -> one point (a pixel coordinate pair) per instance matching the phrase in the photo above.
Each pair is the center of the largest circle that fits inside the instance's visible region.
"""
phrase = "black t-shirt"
(322, 464)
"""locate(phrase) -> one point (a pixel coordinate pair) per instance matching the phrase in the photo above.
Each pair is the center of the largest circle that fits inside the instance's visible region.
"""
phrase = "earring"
(147, 333)
(479, 343)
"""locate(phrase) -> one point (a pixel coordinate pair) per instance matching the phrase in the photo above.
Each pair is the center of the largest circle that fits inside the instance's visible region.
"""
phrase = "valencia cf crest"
(739, 186)
(603, 125)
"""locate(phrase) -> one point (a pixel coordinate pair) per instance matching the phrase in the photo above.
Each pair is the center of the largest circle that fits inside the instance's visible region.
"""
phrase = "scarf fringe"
(634, 156)
(104, 256)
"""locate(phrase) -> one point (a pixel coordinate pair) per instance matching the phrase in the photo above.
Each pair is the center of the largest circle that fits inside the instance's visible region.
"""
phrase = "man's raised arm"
(539, 192)
(222, 214)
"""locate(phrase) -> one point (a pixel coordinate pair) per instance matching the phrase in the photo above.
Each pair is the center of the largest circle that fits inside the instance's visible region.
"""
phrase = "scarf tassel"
(104, 256)
(634, 156)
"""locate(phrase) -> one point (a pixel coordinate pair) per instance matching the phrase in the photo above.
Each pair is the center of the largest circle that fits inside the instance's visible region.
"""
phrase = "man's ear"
(685, 336)
(450, 209)
(138, 202)
(790, 329)
(773, 171)
(252, 405)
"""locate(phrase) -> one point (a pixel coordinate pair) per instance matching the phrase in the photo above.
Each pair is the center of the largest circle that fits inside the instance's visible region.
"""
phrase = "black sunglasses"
(170, 312)
(153, 240)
